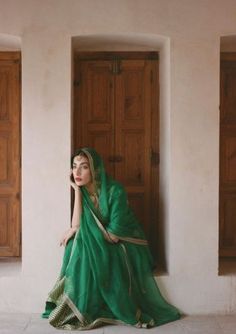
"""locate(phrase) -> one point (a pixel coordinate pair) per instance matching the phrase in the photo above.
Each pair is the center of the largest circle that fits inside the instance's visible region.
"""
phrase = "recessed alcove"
(227, 157)
(10, 45)
(146, 43)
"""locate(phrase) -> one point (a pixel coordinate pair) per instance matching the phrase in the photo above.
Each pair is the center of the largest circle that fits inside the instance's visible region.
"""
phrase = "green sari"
(102, 281)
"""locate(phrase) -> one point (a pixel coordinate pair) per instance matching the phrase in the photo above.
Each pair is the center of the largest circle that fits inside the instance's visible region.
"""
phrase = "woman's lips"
(78, 179)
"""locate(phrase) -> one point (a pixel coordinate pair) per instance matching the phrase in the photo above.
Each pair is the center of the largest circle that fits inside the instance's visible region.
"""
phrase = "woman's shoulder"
(116, 188)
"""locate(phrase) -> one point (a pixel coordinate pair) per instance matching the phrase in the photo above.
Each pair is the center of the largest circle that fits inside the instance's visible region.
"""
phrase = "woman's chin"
(79, 183)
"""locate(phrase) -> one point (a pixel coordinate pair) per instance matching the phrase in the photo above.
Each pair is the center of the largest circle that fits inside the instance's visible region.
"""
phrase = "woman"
(106, 272)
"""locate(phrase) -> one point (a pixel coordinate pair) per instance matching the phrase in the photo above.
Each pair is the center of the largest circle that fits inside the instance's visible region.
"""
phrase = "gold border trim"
(98, 321)
(132, 240)
(128, 268)
(75, 309)
(107, 237)
(105, 233)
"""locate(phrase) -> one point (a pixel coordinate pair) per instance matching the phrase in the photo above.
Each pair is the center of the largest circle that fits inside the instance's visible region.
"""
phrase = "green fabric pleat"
(103, 282)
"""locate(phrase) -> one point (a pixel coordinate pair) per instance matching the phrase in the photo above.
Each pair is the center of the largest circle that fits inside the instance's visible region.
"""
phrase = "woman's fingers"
(65, 241)
(72, 182)
(62, 241)
(68, 234)
(113, 238)
(71, 179)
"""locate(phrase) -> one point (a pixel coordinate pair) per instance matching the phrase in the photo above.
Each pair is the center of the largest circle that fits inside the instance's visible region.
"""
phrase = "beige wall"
(187, 33)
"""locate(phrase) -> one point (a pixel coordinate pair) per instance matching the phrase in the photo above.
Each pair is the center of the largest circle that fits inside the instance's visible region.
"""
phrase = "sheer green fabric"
(101, 281)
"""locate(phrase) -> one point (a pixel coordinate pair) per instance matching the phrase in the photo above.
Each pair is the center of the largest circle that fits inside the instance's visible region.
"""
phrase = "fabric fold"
(101, 281)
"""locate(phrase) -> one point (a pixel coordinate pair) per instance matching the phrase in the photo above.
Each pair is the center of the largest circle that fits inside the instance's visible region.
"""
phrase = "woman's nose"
(78, 172)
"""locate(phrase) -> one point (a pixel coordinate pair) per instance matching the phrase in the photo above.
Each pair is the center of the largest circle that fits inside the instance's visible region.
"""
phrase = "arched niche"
(145, 42)
(10, 42)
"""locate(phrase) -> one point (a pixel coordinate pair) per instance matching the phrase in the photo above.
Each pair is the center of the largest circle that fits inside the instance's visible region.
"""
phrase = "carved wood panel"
(94, 98)
(133, 133)
(116, 112)
(10, 169)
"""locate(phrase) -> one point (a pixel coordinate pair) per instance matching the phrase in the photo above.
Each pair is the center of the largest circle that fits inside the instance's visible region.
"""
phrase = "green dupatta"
(101, 281)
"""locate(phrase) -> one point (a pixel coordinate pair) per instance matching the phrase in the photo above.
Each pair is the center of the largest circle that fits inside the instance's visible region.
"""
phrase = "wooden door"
(94, 114)
(133, 134)
(116, 112)
(227, 195)
(10, 169)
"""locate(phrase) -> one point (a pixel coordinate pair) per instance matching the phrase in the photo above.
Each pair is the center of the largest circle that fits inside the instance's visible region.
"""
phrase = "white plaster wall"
(188, 34)
(10, 42)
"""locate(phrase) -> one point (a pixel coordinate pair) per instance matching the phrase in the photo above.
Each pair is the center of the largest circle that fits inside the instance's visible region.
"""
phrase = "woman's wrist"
(74, 228)
(77, 190)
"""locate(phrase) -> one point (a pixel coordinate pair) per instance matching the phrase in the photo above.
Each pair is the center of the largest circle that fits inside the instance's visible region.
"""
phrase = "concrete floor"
(11, 323)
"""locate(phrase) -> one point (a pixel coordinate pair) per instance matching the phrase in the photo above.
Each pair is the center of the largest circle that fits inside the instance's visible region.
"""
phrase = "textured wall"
(188, 34)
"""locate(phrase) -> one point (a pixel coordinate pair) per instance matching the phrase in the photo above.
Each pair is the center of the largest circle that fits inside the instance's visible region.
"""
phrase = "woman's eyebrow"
(80, 164)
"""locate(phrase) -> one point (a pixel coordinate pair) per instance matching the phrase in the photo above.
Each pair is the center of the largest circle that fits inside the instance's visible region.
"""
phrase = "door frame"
(156, 230)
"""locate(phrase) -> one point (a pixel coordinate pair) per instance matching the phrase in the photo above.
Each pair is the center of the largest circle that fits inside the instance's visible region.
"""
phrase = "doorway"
(116, 111)
(10, 154)
(227, 189)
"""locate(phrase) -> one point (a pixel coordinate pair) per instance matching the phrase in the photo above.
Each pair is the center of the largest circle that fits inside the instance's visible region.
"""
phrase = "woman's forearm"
(77, 211)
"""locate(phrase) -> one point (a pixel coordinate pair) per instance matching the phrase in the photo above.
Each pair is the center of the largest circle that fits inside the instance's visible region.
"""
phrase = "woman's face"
(81, 171)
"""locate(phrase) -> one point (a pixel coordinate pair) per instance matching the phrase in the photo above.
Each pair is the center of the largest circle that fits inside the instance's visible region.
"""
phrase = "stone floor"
(33, 324)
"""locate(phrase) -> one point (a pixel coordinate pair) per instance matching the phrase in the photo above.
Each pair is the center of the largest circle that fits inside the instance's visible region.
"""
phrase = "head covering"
(113, 212)
(101, 281)
(99, 179)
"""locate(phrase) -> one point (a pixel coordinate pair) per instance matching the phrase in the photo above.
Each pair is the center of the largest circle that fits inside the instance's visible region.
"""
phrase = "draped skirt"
(102, 282)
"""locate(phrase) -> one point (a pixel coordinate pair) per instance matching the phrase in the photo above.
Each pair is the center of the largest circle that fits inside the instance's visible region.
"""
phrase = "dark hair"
(77, 153)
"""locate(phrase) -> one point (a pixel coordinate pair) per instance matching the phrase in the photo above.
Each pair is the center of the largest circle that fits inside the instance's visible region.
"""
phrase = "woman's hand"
(113, 238)
(67, 235)
(73, 184)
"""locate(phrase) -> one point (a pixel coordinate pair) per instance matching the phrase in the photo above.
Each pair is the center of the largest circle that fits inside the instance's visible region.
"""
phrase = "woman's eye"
(84, 167)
